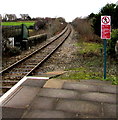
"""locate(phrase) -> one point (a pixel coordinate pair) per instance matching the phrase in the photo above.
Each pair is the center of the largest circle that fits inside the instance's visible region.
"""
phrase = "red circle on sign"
(105, 20)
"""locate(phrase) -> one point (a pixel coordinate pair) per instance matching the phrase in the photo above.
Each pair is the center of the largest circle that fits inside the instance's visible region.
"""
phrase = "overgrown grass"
(88, 47)
(85, 31)
(27, 23)
(91, 64)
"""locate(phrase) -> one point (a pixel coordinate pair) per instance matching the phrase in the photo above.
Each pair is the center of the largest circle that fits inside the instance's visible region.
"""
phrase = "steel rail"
(40, 63)
(12, 82)
(23, 59)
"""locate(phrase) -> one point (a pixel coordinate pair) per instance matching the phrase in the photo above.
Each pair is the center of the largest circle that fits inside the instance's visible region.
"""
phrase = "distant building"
(10, 17)
(25, 16)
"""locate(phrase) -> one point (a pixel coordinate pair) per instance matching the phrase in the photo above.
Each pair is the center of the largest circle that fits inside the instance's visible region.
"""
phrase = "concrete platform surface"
(53, 98)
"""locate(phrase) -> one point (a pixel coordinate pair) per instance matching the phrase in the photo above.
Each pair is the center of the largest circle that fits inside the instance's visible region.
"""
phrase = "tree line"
(107, 10)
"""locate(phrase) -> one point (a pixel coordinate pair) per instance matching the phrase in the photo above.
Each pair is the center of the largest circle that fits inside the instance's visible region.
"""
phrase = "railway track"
(28, 65)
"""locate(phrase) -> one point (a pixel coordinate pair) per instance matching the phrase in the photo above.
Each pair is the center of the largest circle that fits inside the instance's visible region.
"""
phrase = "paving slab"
(108, 89)
(109, 110)
(47, 114)
(58, 93)
(80, 107)
(8, 112)
(89, 117)
(43, 103)
(53, 83)
(34, 82)
(52, 74)
(22, 98)
(99, 97)
(53, 98)
(56, 72)
(80, 86)
(96, 82)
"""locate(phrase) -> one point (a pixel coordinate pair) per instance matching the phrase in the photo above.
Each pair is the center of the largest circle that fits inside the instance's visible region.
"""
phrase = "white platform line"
(9, 92)
(40, 78)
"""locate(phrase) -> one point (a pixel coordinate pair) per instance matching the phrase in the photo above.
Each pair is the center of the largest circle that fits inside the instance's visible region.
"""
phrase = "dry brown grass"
(55, 27)
(85, 31)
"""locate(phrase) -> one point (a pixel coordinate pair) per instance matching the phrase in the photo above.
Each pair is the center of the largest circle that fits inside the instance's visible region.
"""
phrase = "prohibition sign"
(105, 34)
(105, 20)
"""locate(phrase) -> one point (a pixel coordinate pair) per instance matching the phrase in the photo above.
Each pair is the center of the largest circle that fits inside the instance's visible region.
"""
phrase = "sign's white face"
(105, 20)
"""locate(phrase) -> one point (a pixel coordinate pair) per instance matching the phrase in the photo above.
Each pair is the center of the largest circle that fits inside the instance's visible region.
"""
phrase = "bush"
(40, 24)
(12, 51)
(109, 10)
(112, 42)
(55, 26)
(84, 29)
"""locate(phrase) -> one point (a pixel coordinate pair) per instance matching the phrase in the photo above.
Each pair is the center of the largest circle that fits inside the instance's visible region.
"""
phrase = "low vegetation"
(47, 26)
(27, 23)
(89, 56)
(112, 42)
(109, 10)
(90, 64)
(85, 31)
(12, 51)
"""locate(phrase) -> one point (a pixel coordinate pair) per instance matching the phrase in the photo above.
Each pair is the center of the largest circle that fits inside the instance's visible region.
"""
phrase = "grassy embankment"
(90, 59)
(27, 23)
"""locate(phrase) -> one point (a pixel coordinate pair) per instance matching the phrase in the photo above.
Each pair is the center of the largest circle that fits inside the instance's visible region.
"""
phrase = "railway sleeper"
(22, 69)
(8, 84)
(20, 72)
(25, 66)
(32, 63)
(6, 87)
(13, 78)
(11, 81)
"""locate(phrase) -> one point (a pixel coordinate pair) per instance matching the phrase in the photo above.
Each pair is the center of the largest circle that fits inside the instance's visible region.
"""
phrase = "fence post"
(24, 34)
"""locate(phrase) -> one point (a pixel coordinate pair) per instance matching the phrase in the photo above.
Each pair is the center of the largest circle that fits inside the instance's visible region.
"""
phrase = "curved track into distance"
(28, 65)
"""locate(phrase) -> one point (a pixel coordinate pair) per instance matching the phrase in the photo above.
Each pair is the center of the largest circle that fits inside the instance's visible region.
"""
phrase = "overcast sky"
(69, 9)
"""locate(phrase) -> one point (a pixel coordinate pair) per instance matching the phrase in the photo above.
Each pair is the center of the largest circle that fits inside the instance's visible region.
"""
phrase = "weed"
(87, 47)
(12, 51)
(91, 66)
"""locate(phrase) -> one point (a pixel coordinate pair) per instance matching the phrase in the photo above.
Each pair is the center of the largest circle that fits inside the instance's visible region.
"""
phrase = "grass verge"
(27, 23)
(90, 62)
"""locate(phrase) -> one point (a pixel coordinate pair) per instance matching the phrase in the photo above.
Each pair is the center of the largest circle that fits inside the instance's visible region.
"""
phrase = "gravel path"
(63, 58)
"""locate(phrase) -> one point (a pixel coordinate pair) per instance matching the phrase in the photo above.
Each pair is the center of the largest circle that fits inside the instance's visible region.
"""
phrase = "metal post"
(105, 55)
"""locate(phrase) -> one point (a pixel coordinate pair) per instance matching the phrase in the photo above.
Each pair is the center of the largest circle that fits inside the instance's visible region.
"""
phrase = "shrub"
(40, 24)
(109, 10)
(112, 42)
(12, 51)
(55, 26)
(84, 29)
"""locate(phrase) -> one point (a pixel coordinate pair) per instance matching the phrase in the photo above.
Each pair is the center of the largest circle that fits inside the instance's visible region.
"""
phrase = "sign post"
(105, 58)
(105, 34)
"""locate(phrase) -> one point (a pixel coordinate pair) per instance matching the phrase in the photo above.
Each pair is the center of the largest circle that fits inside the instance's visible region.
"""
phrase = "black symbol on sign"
(105, 20)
